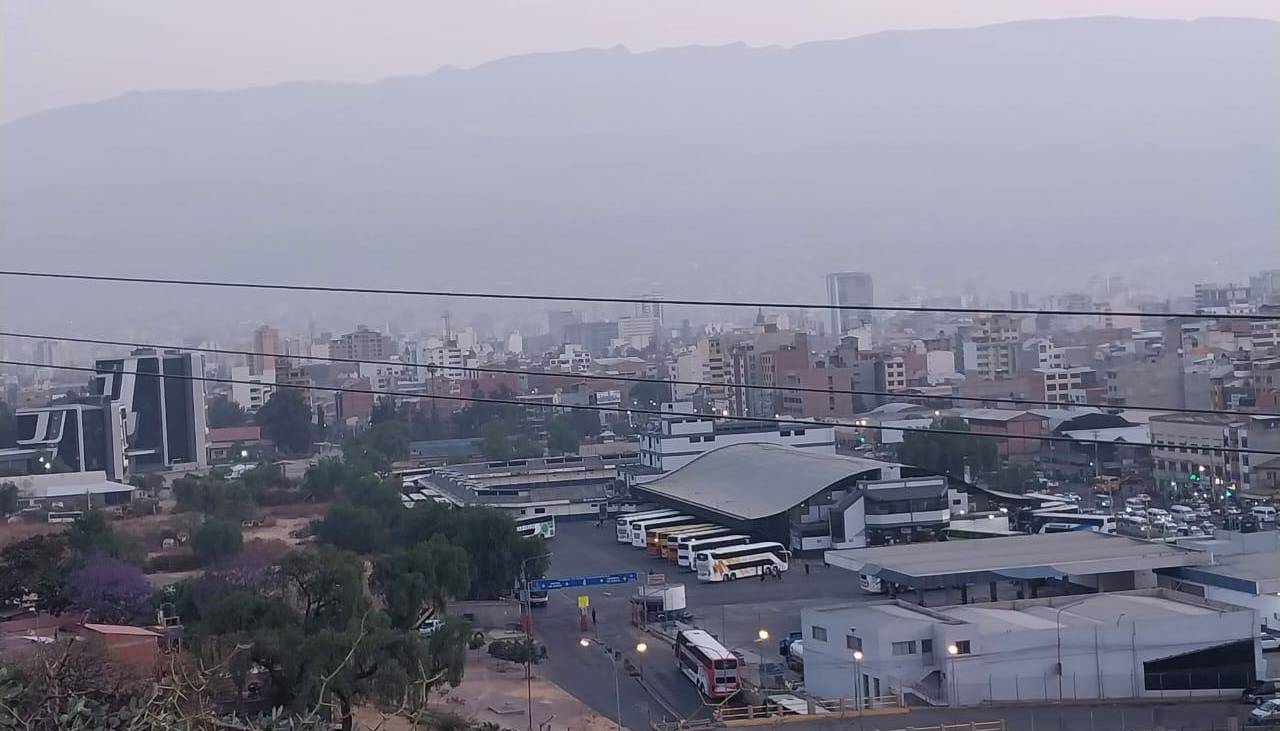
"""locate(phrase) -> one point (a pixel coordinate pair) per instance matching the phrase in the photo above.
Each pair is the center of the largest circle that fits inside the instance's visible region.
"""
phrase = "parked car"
(1232, 510)
(1145, 498)
(1269, 643)
(1267, 713)
(1264, 513)
(1260, 691)
(429, 627)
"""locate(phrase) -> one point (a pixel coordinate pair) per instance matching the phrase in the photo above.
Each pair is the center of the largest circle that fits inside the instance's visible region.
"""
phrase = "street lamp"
(952, 651)
(528, 630)
(857, 682)
(763, 634)
(613, 657)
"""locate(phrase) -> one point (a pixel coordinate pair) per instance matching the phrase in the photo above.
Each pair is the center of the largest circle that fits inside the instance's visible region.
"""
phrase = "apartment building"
(1187, 450)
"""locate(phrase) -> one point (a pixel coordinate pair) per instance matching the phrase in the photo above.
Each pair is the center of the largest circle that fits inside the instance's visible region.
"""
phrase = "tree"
(213, 495)
(323, 478)
(111, 591)
(1015, 477)
(429, 574)
(222, 412)
(92, 534)
(384, 410)
(352, 528)
(495, 549)
(375, 449)
(215, 540)
(648, 395)
(326, 585)
(40, 566)
(8, 427)
(496, 442)
(8, 498)
(947, 454)
(286, 421)
(561, 436)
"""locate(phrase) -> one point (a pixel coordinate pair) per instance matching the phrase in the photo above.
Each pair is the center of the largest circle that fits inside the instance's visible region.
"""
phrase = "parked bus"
(740, 562)
(690, 547)
(1068, 522)
(706, 663)
(640, 528)
(656, 540)
(672, 549)
(528, 526)
(624, 522)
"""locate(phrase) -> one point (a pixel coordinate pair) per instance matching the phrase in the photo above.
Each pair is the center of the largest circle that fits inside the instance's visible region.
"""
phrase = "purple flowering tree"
(111, 591)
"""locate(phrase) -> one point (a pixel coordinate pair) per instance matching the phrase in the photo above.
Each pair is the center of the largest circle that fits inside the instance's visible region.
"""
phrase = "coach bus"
(528, 526)
(740, 562)
(689, 547)
(1068, 522)
(672, 549)
(625, 521)
(656, 540)
(706, 663)
(640, 528)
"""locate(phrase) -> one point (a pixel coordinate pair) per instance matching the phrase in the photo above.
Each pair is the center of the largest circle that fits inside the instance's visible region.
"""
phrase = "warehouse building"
(1143, 643)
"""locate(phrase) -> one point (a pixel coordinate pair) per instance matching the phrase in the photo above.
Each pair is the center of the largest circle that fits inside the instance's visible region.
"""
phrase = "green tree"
(324, 478)
(8, 498)
(1016, 477)
(648, 395)
(429, 574)
(384, 410)
(215, 496)
(222, 412)
(326, 585)
(495, 441)
(948, 453)
(92, 534)
(375, 449)
(352, 528)
(8, 427)
(562, 438)
(286, 421)
(39, 565)
(216, 540)
(495, 549)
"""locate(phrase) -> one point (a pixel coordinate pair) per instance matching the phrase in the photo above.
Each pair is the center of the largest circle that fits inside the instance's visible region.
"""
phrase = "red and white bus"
(706, 663)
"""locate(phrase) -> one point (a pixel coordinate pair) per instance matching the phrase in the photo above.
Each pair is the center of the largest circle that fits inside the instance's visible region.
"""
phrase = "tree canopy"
(222, 412)
(946, 453)
(110, 591)
(216, 540)
(286, 421)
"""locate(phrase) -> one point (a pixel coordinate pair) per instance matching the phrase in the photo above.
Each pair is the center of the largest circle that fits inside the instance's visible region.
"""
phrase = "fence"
(965, 691)
(788, 707)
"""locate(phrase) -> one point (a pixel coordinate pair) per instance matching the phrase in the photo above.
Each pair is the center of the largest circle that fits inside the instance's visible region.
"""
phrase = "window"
(853, 642)
(962, 647)
(926, 647)
(818, 633)
(904, 648)
(539, 511)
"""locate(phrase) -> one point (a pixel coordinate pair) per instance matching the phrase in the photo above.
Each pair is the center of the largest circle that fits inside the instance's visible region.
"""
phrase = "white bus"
(640, 528)
(740, 562)
(706, 663)
(656, 540)
(672, 550)
(688, 548)
(1068, 522)
(528, 526)
(624, 522)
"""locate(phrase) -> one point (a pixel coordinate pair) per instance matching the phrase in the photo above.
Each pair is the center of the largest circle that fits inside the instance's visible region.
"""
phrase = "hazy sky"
(59, 52)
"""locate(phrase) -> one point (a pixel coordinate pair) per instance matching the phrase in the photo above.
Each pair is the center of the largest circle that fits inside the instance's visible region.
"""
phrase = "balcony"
(901, 520)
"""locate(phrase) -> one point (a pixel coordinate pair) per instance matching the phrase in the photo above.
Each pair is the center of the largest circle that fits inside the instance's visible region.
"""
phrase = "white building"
(673, 442)
(572, 358)
(382, 376)
(252, 390)
(1142, 643)
(638, 332)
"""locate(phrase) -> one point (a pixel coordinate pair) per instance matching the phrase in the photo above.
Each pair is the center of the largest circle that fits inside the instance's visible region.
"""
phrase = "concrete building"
(989, 350)
(1070, 385)
(163, 407)
(1148, 643)
(672, 442)
(595, 337)
(266, 339)
(362, 344)
(1218, 299)
(1245, 572)
(1015, 427)
(1187, 455)
(849, 289)
(567, 487)
(252, 390)
(639, 332)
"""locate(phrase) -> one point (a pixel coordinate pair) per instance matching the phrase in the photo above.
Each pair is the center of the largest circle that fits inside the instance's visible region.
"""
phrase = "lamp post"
(528, 631)
(1057, 620)
(857, 682)
(613, 658)
(952, 651)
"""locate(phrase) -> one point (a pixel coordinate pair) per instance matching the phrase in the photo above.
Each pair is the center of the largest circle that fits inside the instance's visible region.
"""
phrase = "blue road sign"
(568, 582)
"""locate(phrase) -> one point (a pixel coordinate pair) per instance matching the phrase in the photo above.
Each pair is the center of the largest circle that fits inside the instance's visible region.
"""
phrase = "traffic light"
(1193, 476)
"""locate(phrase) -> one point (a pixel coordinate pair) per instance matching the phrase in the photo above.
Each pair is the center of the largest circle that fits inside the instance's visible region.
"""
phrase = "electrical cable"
(628, 379)
(610, 409)
(525, 297)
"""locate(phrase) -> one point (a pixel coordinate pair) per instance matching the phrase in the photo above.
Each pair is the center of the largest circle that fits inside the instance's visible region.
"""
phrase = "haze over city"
(654, 366)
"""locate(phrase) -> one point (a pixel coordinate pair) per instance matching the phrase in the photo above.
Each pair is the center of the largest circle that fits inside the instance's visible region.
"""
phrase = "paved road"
(735, 613)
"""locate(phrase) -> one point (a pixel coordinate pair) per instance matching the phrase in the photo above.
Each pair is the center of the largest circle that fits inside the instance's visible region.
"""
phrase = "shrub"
(172, 562)
(518, 650)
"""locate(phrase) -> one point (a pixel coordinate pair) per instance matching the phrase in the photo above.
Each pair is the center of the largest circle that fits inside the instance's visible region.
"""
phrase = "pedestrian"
(593, 616)
(763, 574)
(806, 568)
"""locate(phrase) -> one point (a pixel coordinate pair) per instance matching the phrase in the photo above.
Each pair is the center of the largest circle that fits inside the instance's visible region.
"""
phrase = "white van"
(1134, 503)
(1264, 513)
(1182, 513)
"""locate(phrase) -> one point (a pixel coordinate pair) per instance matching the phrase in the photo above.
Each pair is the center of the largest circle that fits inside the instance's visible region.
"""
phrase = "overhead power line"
(526, 297)
(615, 409)
(623, 378)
